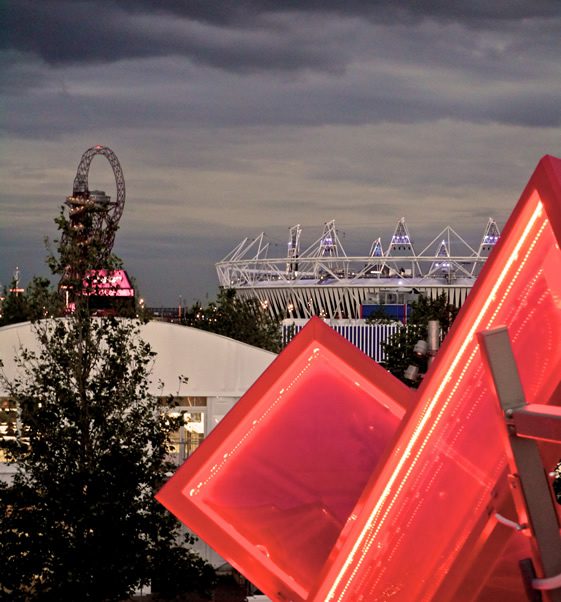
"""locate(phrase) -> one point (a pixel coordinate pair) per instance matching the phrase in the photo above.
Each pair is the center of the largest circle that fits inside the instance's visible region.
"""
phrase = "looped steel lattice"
(104, 216)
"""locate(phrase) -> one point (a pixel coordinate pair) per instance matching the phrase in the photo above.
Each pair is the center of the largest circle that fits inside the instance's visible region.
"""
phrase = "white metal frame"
(323, 279)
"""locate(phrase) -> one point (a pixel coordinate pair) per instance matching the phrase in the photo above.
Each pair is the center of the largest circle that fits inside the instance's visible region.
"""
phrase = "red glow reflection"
(315, 490)
(274, 484)
(432, 494)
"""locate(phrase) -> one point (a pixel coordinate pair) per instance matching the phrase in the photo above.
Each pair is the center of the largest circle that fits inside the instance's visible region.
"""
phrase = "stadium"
(323, 280)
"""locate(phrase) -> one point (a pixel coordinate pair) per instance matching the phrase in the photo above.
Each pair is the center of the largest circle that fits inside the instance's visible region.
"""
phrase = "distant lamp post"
(17, 289)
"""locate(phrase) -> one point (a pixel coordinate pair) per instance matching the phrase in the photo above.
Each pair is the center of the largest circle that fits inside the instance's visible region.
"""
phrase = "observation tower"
(94, 219)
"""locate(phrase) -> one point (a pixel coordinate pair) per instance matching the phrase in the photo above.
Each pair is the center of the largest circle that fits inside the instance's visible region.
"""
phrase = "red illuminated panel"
(114, 283)
(272, 486)
(419, 518)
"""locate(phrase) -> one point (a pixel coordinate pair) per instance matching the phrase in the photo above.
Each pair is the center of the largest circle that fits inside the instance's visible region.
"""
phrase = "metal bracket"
(526, 423)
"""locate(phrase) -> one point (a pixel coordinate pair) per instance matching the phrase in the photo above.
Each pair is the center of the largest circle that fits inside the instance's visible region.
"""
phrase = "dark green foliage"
(243, 320)
(39, 301)
(178, 570)
(425, 309)
(76, 255)
(398, 349)
(79, 521)
(13, 306)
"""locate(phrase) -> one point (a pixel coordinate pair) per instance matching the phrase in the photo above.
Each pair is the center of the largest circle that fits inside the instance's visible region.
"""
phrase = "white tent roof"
(216, 366)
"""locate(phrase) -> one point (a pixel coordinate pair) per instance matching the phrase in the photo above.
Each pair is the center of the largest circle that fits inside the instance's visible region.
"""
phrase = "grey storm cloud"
(160, 93)
(240, 35)
(235, 116)
(90, 32)
(276, 63)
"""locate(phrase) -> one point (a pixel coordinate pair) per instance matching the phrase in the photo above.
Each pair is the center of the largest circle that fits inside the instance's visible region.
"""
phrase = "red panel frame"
(432, 497)
(425, 516)
(269, 489)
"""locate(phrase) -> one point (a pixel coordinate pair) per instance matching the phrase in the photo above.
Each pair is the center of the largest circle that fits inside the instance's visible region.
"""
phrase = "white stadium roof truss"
(324, 280)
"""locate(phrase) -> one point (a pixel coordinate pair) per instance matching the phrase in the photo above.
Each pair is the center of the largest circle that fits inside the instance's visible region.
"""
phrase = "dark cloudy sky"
(235, 117)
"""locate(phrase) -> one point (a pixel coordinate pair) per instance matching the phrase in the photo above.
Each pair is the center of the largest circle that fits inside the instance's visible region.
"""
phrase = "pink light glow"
(110, 283)
(317, 487)
(272, 486)
(420, 514)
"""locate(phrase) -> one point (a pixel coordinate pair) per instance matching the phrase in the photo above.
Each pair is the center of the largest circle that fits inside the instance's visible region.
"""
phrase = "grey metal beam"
(526, 463)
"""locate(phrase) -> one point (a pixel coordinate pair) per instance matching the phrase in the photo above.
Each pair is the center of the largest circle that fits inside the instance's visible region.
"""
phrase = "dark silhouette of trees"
(398, 350)
(39, 300)
(79, 520)
(243, 320)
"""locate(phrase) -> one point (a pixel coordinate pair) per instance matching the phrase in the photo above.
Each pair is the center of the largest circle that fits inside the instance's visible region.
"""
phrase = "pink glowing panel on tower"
(417, 527)
(111, 283)
(272, 486)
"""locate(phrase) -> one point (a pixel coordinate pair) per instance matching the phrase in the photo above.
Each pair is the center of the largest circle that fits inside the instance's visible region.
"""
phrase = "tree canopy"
(79, 520)
(39, 300)
(243, 320)
(398, 350)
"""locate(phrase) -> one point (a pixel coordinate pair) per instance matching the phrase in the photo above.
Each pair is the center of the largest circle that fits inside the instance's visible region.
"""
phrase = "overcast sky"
(236, 117)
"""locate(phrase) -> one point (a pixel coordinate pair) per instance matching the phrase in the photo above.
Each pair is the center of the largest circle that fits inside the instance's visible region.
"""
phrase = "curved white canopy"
(216, 366)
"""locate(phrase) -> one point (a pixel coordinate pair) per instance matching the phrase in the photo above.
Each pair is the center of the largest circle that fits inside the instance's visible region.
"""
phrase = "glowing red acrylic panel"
(273, 485)
(418, 518)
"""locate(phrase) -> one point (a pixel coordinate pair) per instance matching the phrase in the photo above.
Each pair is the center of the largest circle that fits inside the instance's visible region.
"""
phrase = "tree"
(39, 300)
(79, 521)
(398, 350)
(243, 320)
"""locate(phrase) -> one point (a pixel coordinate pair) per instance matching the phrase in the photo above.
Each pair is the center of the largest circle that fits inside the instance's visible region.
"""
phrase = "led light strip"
(367, 529)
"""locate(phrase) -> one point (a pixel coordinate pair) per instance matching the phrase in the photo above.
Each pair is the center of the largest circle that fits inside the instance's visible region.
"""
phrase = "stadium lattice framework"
(323, 280)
